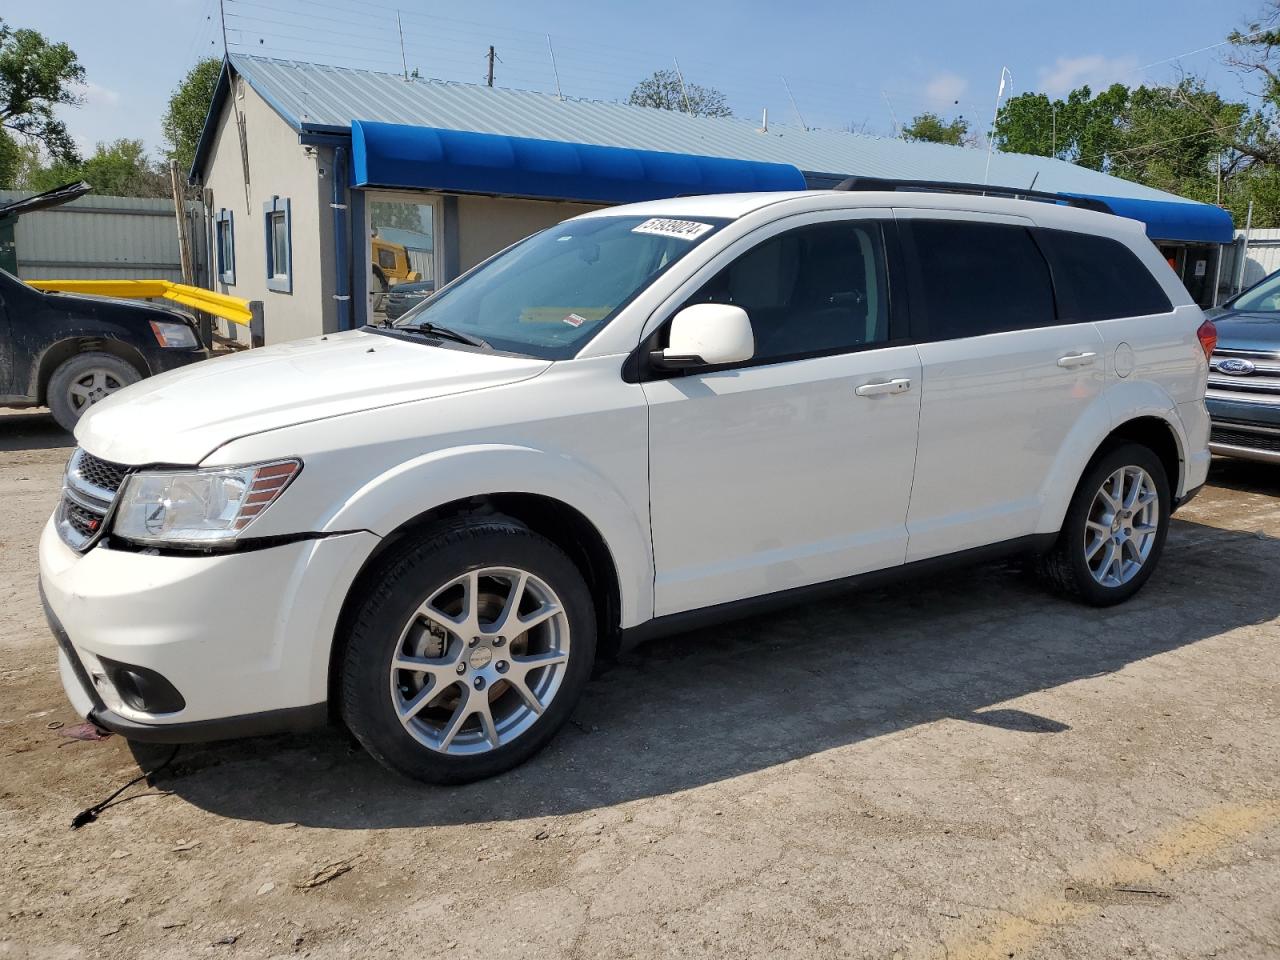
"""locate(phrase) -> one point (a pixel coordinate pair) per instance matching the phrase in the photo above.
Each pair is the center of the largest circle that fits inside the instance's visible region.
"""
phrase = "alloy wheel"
(92, 386)
(480, 661)
(1121, 527)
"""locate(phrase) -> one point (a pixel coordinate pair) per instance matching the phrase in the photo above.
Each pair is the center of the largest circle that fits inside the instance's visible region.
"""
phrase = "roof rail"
(981, 189)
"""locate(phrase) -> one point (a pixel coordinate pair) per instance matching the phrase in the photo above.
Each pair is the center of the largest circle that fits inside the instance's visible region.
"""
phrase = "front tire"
(469, 653)
(82, 380)
(1114, 531)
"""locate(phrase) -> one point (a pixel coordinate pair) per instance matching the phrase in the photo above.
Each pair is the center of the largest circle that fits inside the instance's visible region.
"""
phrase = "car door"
(1004, 381)
(795, 467)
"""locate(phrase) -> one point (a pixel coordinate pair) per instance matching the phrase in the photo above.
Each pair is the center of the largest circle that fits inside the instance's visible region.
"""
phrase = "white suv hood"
(182, 416)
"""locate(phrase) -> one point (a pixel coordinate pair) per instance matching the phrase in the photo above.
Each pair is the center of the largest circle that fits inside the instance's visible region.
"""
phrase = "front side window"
(973, 278)
(279, 245)
(813, 290)
(549, 294)
(387, 259)
(1098, 278)
(225, 243)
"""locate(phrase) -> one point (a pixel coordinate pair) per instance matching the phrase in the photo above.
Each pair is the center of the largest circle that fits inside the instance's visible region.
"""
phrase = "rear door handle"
(885, 386)
(1077, 360)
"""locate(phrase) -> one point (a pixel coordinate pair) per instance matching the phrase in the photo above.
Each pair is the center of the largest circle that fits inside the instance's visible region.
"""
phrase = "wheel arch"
(564, 525)
(1156, 429)
(63, 350)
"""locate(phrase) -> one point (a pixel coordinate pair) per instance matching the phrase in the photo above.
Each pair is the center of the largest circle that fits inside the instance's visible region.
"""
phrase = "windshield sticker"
(683, 229)
(574, 320)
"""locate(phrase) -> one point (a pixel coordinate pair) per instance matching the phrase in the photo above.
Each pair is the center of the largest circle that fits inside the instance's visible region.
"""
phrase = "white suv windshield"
(549, 294)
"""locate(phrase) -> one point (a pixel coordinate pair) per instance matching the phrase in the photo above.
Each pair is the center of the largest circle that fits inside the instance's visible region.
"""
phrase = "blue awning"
(1172, 220)
(400, 156)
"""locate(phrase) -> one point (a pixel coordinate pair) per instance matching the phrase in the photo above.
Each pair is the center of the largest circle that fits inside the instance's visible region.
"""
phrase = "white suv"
(640, 420)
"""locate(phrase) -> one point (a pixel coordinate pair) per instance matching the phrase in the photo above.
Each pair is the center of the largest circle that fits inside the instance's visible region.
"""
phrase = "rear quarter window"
(1098, 278)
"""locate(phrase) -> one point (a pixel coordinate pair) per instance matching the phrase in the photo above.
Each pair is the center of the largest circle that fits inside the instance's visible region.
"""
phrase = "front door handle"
(1077, 360)
(885, 386)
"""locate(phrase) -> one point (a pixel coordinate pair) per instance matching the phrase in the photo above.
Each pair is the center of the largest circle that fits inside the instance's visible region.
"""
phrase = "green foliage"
(663, 90)
(931, 128)
(35, 77)
(1172, 138)
(119, 169)
(188, 105)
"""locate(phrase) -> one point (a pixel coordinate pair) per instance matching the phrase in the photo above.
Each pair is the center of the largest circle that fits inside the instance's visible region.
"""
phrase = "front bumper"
(1247, 429)
(244, 637)
(164, 359)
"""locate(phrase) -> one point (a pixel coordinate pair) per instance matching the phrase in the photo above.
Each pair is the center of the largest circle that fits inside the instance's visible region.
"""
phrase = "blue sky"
(847, 63)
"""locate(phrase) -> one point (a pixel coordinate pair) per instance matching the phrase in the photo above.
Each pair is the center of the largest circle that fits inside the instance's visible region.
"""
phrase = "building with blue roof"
(303, 164)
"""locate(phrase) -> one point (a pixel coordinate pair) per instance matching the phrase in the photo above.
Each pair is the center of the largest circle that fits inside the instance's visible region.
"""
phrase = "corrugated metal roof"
(316, 97)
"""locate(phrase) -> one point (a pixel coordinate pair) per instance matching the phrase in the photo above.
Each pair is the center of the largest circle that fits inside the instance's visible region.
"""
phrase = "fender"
(1119, 403)
(416, 486)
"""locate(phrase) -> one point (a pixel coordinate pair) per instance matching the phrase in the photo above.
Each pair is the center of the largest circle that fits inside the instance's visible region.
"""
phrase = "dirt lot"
(959, 768)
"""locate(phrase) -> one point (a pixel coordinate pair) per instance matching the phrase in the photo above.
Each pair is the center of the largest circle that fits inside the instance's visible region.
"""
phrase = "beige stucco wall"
(487, 224)
(278, 166)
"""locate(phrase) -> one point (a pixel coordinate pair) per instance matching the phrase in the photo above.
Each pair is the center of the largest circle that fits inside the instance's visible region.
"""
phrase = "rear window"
(975, 278)
(1098, 278)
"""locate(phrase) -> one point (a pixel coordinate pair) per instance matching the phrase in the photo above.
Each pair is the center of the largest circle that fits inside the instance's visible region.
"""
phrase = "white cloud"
(97, 96)
(1097, 71)
(945, 89)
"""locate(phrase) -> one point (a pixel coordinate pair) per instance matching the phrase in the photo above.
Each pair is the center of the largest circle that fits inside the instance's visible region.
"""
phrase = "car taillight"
(1208, 337)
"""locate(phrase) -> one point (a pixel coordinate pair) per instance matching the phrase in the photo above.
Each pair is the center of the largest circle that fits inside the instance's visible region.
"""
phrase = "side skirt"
(687, 620)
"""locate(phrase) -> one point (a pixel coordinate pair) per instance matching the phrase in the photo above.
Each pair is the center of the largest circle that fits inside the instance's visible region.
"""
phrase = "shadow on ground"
(32, 431)
(707, 706)
(1246, 476)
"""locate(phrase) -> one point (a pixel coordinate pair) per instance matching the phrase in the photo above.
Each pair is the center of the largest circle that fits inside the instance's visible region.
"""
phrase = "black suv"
(68, 351)
(1244, 374)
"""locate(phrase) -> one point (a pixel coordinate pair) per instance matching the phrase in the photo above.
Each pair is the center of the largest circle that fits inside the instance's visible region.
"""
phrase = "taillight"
(1208, 337)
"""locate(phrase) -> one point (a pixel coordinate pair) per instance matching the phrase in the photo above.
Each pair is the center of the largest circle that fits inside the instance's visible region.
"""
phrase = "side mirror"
(705, 335)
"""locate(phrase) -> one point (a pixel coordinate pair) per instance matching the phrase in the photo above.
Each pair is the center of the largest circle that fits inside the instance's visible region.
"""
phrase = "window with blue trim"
(225, 242)
(279, 231)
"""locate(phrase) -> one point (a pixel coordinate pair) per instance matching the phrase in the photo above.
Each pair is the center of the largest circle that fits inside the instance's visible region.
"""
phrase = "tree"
(35, 77)
(665, 91)
(188, 106)
(118, 169)
(931, 128)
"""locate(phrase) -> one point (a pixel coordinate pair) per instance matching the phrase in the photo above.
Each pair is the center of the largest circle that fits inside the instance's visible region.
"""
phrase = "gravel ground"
(963, 767)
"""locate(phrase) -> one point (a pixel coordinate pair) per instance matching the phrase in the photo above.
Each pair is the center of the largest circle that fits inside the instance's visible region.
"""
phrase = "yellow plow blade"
(234, 309)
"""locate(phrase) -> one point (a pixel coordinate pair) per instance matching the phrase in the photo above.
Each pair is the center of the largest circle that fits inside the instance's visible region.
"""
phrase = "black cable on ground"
(90, 814)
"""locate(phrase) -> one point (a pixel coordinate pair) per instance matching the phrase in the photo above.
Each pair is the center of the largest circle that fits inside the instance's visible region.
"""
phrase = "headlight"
(173, 334)
(196, 507)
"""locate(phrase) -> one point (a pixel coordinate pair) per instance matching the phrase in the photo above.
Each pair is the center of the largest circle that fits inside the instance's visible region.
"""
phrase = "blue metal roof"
(401, 155)
(321, 99)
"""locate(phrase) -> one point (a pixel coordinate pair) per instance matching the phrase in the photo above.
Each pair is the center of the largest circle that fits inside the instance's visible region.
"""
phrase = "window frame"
(639, 369)
(280, 282)
(923, 329)
(224, 226)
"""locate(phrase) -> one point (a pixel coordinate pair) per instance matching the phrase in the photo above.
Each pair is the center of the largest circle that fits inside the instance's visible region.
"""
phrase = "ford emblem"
(1236, 367)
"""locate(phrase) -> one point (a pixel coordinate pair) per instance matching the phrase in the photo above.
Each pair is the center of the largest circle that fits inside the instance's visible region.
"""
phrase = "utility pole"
(491, 57)
(222, 14)
(1054, 152)
(403, 62)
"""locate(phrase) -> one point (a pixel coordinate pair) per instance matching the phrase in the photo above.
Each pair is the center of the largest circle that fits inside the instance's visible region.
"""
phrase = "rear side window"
(976, 278)
(1098, 278)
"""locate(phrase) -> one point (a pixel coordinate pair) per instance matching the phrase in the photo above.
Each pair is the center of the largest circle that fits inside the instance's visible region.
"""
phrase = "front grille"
(101, 473)
(1252, 372)
(88, 492)
(1245, 438)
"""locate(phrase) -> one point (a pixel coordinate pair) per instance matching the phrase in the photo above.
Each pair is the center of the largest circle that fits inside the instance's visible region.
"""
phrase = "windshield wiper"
(435, 330)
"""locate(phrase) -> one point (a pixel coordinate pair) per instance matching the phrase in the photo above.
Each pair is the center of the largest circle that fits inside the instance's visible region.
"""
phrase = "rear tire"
(1114, 531)
(82, 380)
(496, 677)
